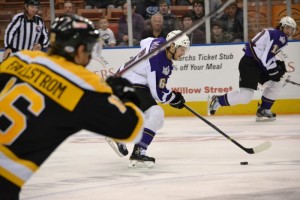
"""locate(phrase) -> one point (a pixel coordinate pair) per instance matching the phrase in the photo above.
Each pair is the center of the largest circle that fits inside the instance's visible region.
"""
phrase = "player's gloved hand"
(274, 74)
(281, 67)
(123, 89)
(178, 101)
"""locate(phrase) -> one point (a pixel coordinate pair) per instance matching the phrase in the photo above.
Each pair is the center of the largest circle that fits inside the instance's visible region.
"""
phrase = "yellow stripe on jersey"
(78, 74)
(98, 84)
(15, 169)
(11, 177)
(8, 86)
(74, 72)
(51, 84)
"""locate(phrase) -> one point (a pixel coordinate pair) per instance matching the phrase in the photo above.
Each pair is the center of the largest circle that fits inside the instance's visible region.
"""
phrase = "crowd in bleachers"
(153, 18)
(115, 13)
(156, 18)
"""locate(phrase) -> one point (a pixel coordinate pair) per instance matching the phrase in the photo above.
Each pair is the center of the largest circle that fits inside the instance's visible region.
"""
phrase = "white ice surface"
(193, 161)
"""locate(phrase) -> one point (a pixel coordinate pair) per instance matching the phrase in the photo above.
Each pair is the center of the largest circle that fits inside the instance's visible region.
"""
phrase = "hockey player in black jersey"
(46, 97)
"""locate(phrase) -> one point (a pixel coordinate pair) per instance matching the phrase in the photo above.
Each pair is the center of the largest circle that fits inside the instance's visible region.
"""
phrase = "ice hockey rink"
(193, 161)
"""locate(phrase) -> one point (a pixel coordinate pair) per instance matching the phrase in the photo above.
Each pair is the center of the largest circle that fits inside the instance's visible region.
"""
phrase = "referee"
(26, 30)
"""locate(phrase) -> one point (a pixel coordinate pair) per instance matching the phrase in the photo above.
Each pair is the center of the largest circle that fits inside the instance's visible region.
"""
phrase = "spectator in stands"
(233, 21)
(215, 5)
(199, 12)
(69, 7)
(170, 21)
(138, 24)
(156, 29)
(106, 34)
(218, 35)
(26, 31)
(90, 4)
(186, 2)
(118, 4)
(147, 8)
(197, 36)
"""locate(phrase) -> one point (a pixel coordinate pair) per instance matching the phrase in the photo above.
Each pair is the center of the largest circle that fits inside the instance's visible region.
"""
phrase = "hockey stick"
(142, 57)
(292, 82)
(262, 147)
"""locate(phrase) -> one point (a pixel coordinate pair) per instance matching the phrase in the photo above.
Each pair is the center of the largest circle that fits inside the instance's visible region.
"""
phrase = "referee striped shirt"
(22, 33)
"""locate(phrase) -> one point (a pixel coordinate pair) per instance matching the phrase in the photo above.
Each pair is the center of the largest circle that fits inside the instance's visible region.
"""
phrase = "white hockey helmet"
(183, 40)
(288, 21)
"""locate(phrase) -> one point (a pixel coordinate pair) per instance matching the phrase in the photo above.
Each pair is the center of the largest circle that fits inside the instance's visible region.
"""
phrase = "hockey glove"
(123, 89)
(178, 101)
(274, 74)
(281, 67)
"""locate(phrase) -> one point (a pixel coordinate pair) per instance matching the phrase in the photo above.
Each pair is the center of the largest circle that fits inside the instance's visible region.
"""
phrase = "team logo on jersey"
(154, 45)
(105, 38)
(282, 40)
(151, 10)
(38, 29)
(166, 70)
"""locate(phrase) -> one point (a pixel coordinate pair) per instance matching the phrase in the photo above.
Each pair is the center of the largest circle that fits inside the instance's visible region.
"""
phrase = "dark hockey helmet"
(32, 2)
(68, 32)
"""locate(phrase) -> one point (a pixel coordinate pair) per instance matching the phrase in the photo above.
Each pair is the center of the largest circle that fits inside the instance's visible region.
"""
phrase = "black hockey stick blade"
(262, 147)
(292, 82)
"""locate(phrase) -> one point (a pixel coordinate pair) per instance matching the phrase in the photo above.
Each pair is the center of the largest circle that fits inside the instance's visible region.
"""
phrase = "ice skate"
(263, 114)
(122, 149)
(119, 148)
(213, 105)
(138, 158)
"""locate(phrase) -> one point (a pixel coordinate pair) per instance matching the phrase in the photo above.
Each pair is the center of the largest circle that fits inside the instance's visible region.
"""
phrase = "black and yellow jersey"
(43, 100)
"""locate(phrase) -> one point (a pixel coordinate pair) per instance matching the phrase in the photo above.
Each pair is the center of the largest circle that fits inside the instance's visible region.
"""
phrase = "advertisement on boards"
(205, 70)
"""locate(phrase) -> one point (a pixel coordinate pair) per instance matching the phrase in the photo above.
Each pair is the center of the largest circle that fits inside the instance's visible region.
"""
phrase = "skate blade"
(209, 98)
(265, 119)
(140, 164)
(114, 146)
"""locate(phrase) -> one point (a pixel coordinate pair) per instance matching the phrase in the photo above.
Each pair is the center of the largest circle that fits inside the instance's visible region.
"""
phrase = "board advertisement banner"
(205, 70)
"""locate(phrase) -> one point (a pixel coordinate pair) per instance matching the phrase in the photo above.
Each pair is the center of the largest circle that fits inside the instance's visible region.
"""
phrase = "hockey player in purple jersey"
(259, 65)
(150, 79)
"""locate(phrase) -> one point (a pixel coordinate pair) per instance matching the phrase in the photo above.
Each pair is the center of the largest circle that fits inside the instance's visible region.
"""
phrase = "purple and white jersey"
(152, 73)
(265, 45)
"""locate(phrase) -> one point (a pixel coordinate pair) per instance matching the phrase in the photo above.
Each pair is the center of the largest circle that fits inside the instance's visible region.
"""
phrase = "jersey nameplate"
(51, 84)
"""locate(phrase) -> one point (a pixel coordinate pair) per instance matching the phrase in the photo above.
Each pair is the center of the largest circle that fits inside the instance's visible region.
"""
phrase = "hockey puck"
(244, 163)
